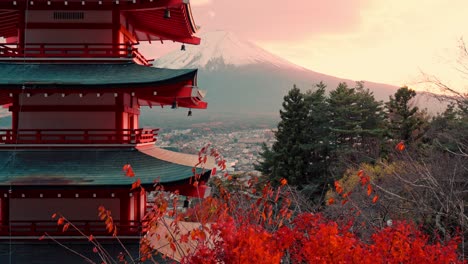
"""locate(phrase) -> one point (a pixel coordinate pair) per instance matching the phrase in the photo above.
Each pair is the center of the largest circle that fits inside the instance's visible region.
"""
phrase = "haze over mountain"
(244, 80)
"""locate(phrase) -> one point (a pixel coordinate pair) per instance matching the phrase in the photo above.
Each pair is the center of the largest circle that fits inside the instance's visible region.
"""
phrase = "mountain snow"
(219, 48)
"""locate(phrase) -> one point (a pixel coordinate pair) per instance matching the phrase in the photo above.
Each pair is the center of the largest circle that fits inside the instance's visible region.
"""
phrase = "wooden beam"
(66, 108)
(37, 25)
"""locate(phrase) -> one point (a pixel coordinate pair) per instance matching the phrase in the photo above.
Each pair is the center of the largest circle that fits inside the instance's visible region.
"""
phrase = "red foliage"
(127, 168)
(259, 225)
(260, 234)
(400, 146)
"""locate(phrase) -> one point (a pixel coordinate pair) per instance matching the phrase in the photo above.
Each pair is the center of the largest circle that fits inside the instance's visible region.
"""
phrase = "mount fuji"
(243, 81)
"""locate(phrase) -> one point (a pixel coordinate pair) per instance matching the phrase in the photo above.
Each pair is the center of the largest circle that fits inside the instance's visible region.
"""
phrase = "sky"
(375, 40)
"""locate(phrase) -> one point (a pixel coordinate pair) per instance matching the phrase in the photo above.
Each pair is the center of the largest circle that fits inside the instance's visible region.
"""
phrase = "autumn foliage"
(257, 223)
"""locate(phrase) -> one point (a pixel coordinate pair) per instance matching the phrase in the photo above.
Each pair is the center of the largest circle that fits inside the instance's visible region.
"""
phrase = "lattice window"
(68, 15)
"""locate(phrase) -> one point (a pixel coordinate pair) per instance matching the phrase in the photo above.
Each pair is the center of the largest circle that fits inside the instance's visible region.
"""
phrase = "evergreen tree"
(317, 132)
(289, 156)
(403, 118)
(356, 126)
(449, 130)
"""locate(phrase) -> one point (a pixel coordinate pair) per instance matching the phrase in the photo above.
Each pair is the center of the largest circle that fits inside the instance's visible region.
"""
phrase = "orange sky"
(375, 40)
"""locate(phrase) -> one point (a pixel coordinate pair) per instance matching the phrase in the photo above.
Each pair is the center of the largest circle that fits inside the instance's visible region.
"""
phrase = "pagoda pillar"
(14, 115)
(116, 26)
(4, 215)
(119, 117)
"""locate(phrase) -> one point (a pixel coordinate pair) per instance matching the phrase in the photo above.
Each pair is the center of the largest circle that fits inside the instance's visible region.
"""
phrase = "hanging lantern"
(167, 13)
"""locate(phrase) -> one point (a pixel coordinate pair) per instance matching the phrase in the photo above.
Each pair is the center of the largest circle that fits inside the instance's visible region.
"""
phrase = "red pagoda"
(74, 81)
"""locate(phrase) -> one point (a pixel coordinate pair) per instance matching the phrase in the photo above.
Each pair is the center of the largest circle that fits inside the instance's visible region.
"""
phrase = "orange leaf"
(375, 199)
(338, 187)
(54, 215)
(90, 238)
(65, 227)
(400, 146)
(360, 173)
(136, 184)
(369, 190)
(364, 180)
(195, 184)
(346, 195)
(344, 201)
(283, 182)
(331, 200)
(60, 221)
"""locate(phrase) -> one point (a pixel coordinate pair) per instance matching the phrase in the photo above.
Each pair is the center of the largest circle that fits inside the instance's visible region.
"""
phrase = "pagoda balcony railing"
(78, 136)
(71, 51)
(96, 228)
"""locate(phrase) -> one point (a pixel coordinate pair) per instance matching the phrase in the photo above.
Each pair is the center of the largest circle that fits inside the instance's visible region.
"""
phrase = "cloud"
(393, 42)
(275, 20)
(212, 14)
(196, 3)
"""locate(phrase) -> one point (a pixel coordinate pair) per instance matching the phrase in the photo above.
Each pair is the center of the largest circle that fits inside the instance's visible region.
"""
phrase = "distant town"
(240, 148)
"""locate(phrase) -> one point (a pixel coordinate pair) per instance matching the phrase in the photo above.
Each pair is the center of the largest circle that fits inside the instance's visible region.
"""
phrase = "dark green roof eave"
(74, 76)
(87, 167)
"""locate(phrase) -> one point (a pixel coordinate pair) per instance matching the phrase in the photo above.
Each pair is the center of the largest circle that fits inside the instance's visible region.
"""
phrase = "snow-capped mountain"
(221, 47)
(244, 81)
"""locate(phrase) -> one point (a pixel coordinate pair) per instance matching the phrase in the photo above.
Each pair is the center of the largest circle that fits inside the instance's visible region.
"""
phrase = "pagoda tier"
(138, 20)
(97, 167)
(151, 86)
(34, 184)
(88, 103)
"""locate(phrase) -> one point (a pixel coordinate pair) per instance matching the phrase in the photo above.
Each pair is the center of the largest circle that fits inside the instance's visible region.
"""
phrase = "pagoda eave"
(98, 167)
(147, 17)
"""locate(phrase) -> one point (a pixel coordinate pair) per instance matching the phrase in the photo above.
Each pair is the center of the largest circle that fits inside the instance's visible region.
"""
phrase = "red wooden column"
(124, 207)
(14, 116)
(21, 30)
(4, 215)
(115, 27)
(119, 106)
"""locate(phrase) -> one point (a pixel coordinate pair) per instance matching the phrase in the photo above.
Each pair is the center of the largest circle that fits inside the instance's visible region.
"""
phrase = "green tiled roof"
(79, 75)
(85, 167)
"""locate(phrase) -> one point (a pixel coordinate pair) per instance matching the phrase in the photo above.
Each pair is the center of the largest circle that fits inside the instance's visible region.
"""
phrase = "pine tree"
(289, 155)
(317, 132)
(288, 158)
(344, 116)
(403, 118)
(356, 126)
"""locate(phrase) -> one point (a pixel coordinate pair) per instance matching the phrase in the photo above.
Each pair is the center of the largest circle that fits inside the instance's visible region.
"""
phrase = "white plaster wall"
(79, 36)
(66, 120)
(90, 16)
(72, 208)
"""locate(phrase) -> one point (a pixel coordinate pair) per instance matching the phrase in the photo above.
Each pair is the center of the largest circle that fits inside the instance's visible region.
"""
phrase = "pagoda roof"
(153, 86)
(147, 18)
(56, 75)
(94, 167)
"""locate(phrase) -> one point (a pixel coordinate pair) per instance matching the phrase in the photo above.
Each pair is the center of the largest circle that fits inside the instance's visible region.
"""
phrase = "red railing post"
(38, 136)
